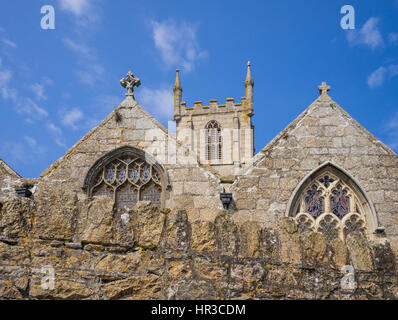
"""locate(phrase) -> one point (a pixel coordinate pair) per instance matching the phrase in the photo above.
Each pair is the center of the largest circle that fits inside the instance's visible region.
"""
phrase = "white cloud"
(85, 12)
(378, 77)
(177, 44)
(5, 77)
(368, 35)
(57, 134)
(79, 48)
(9, 93)
(76, 7)
(30, 141)
(393, 124)
(25, 106)
(9, 43)
(31, 110)
(34, 146)
(23, 151)
(91, 74)
(14, 150)
(159, 102)
(391, 129)
(70, 118)
(393, 37)
(5, 91)
(107, 102)
(38, 90)
(90, 70)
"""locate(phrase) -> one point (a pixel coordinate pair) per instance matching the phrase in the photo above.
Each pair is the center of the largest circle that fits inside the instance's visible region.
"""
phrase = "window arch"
(213, 145)
(331, 202)
(127, 175)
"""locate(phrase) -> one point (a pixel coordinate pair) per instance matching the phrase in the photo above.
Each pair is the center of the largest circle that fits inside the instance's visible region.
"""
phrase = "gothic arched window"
(330, 202)
(213, 138)
(127, 175)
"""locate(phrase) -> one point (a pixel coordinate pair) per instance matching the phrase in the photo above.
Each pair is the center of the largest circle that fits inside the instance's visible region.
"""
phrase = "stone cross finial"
(129, 83)
(323, 89)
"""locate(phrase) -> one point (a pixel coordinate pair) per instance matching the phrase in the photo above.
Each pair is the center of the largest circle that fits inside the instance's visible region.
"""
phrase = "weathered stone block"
(56, 212)
(359, 250)
(289, 237)
(95, 221)
(249, 239)
(203, 236)
(17, 217)
(226, 235)
(149, 224)
(314, 249)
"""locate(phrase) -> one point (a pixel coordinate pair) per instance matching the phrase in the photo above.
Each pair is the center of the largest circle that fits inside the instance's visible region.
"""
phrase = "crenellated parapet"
(213, 107)
(245, 106)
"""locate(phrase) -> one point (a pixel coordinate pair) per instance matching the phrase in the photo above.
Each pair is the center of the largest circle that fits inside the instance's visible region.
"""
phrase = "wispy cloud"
(71, 117)
(79, 48)
(76, 7)
(159, 102)
(22, 104)
(31, 110)
(25, 151)
(393, 37)
(5, 77)
(177, 44)
(85, 12)
(91, 74)
(90, 70)
(107, 102)
(378, 77)
(57, 134)
(9, 43)
(9, 93)
(38, 90)
(5, 90)
(34, 146)
(369, 35)
(391, 128)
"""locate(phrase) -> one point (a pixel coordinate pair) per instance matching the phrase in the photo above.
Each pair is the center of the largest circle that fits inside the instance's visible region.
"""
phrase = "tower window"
(213, 145)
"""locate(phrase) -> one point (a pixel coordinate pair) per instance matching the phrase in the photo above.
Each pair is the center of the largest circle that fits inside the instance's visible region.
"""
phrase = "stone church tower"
(220, 135)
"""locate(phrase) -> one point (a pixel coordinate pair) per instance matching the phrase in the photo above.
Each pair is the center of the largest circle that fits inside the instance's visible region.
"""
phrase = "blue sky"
(55, 85)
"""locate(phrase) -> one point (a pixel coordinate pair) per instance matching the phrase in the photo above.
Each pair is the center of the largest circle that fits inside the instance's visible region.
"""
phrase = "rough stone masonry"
(133, 211)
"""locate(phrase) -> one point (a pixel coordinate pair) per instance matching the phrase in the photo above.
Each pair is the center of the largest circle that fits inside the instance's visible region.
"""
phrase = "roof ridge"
(9, 169)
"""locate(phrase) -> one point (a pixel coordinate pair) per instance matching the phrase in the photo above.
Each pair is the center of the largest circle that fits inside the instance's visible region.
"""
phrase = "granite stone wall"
(163, 255)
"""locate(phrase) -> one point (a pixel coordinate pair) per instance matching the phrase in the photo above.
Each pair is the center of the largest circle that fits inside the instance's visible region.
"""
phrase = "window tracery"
(127, 175)
(329, 204)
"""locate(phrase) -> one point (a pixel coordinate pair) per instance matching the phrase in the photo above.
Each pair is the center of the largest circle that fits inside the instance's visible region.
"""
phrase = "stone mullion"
(327, 201)
(302, 205)
(352, 202)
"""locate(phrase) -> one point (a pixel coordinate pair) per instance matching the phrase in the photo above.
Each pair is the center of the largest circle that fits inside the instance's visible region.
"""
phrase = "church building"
(202, 213)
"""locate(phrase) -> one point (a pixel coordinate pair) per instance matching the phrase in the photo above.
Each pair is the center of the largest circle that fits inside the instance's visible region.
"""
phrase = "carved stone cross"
(323, 89)
(129, 83)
